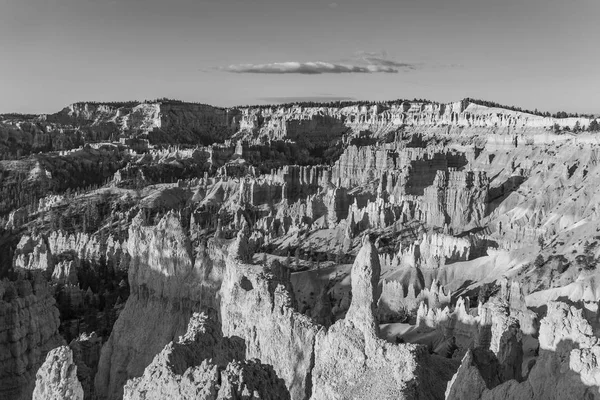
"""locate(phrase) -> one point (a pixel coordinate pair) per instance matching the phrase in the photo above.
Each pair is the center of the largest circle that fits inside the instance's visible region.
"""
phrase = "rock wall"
(166, 288)
(457, 199)
(80, 123)
(379, 120)
(202, 365)
(567, 367)
(256, 307)
(86, 355)
(29, 322)
(178, 122)
(32, 253)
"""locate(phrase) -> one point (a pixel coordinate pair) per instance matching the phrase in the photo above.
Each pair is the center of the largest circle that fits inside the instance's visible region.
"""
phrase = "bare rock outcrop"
(456, 198)
(365, 289)
(253, 380)
(166, 288)
(567, 367)
(257, 307)
(57, 377)
(352, 362)
(321, 123)
(186, 367)
(29, 323)
(32, 253)
(478, 371)
(204, 365)
(164, 121)
(86, 355)
(65, 272)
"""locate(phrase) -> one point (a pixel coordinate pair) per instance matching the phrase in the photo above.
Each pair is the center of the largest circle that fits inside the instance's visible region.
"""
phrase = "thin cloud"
(303, 99)
(389, 63)
(308, 68)
(362, 63)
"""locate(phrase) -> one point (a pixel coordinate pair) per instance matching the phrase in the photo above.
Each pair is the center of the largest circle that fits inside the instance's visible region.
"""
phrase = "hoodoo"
(398, 250)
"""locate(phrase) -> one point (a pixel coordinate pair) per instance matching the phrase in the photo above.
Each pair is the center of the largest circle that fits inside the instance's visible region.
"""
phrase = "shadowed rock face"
(454, 196)
(352, 362)
(166, 288)
(86, 355)
(80, 123)
(29, 323)
(202, 365)
(295, 358)
(567, 368)
(256, 307)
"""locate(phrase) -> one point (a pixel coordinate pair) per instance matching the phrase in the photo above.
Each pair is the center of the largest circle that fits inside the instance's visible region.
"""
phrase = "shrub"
(539, 261)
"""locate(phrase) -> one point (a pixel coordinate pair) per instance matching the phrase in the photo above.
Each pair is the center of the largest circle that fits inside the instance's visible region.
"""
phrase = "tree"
(539, 261)
(556, 128)
(594, 126)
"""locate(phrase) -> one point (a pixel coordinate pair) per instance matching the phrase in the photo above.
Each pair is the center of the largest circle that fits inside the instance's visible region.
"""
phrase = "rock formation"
(57, 377)
(351, 362)
(166, 288)
(86, 355)
(256, 307)
(566, 369)
(304, 251)
(201, 364)
(29, 323)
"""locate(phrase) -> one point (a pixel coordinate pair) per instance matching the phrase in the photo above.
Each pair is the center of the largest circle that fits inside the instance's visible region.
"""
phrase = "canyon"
(392, 250)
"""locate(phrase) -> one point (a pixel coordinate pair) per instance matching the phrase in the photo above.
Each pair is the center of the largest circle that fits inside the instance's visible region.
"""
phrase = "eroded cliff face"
(453, 196)
(567, 367)
(281, 353)
(352, 362)
(379, 120)
(80, 123)
(29, 323)
(57, 377)
(313, 127)
(202, 365)
(86, 355)
(166, 289)
(257, 307)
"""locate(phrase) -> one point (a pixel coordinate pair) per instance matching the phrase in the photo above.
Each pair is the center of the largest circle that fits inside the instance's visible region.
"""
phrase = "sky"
(530, 53)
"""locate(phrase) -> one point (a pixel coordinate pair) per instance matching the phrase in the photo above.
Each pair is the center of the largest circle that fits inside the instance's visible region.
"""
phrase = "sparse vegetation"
(560, 114)
(539, 261)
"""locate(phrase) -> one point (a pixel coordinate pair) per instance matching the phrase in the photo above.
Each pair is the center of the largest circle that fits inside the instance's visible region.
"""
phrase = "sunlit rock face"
(166, 288)
(380, 120)
(567, 367)
(202, 365)
(168, 122)
(57, 377)
(299, 252)
(257, 307)
(352, 362)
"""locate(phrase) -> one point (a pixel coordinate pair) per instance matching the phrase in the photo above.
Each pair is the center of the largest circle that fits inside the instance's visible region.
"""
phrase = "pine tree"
(556, 128)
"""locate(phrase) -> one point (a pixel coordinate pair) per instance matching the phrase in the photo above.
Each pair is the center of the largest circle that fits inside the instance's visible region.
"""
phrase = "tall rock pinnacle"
(57, 377)
(365, 291)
